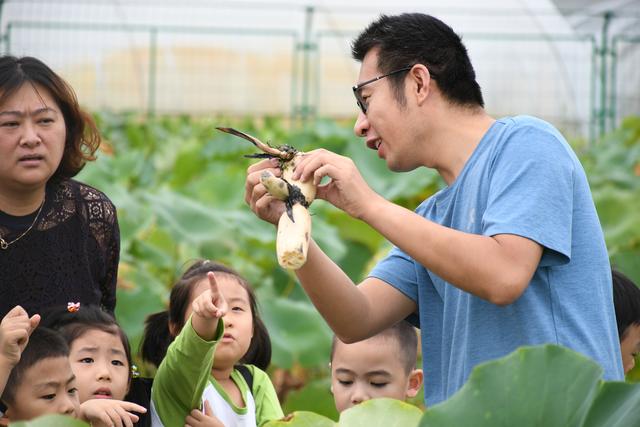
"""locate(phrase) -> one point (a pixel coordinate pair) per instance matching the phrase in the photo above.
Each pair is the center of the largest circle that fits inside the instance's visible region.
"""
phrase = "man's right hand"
(265, 206)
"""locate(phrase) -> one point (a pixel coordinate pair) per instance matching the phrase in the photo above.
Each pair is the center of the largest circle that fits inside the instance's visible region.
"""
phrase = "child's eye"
(379, 385)
(345, 382)
(117, 363)
(73, 391)
(236, 308)
(49, 396)
(86, 360)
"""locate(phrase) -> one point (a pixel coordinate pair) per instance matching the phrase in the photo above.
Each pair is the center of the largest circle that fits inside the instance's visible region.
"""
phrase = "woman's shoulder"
(86, 192)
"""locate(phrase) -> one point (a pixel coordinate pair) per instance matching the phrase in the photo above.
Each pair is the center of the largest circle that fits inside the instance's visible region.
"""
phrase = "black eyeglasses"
(356, 88)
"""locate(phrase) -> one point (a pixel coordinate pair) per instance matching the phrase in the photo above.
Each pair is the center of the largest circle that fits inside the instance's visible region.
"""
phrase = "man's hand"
(346, 190)
(265, 206)
(202, 419)
(110, 412)
(15, 329)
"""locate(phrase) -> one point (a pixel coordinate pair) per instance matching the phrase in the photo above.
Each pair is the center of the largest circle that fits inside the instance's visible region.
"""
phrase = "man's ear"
(421, 79)
(416, 378)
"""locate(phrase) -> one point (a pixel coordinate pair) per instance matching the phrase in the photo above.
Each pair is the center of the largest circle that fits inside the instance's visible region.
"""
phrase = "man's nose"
(362, 125)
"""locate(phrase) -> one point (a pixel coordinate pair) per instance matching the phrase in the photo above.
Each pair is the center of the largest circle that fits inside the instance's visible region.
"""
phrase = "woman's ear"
(416, 378)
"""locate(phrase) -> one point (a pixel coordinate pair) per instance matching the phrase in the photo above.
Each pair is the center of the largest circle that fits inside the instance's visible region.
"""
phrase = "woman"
(59, 238)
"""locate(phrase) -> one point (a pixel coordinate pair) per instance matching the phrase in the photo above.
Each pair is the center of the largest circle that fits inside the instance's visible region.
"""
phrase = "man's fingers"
(263, 164)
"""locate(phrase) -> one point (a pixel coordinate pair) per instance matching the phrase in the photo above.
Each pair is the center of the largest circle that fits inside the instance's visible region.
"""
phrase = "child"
(219, 363)
(626, 299)
(380, 366)
(100, 358)
(36, 377)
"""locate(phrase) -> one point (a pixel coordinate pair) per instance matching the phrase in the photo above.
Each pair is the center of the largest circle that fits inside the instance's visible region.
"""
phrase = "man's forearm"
(333, 293)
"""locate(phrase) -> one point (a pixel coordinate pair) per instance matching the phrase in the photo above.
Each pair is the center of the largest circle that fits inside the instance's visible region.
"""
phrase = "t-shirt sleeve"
(183, 375)
(399, 270)
(267, 404)
(531, 193)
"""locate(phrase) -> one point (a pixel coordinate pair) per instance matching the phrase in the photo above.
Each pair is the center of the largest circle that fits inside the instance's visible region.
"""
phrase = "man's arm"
(353, 312)
(495, 268)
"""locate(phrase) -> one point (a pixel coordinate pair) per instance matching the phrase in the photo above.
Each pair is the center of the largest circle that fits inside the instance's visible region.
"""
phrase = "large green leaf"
(381, 412)
(538, 386)
(302, 419)
(51, 421)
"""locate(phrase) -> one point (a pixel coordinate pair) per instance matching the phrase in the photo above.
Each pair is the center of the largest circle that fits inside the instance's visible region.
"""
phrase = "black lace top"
(70, 255)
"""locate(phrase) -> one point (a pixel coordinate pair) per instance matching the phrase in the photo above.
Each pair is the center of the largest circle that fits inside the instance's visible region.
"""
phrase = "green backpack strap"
(247, 375)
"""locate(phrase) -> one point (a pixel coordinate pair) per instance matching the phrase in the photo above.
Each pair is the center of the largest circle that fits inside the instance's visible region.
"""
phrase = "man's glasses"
(356, 89)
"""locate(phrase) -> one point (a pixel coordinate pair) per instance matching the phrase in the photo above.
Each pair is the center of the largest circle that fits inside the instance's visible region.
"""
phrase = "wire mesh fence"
(266, 58)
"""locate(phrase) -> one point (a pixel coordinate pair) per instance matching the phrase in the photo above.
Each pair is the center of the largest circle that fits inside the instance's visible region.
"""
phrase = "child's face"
(100, 363)
(238, 322)
(630, 346)
(369, 369)
(47, 387)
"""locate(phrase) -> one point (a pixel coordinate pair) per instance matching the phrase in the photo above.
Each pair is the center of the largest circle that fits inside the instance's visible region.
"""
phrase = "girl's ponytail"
(156, 338)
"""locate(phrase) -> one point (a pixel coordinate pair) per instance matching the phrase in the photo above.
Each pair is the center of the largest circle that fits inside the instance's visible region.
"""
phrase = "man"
(510, 253)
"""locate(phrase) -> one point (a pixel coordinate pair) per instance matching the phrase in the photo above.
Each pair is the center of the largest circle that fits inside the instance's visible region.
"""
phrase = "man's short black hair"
(626, 299)
(43, 344)
(415, 38)
(405, 336)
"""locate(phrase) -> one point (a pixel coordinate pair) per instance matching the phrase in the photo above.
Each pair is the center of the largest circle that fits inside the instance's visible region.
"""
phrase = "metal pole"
(604, 50)
(2, 35)
(613, 97)
(153, 51)
(305, 107)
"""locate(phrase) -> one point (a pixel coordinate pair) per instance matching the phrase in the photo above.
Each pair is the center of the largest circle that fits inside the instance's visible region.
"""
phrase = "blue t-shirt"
(522, 179)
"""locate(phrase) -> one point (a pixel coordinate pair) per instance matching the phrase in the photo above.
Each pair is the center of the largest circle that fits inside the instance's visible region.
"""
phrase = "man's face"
(47, 387)
(387, 124)
(630, 346)
(369, 369)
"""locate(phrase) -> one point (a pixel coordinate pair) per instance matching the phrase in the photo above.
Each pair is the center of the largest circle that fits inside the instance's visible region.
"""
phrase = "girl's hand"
(202, 419)
(110, 412)
(15, 330)
(209, 305)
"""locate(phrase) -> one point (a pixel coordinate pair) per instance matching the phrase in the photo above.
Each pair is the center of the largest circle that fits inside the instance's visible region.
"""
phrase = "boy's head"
(42, 382)
(626, 299)
(381, 366)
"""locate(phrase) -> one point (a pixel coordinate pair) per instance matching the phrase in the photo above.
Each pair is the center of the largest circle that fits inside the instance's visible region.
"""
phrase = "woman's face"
(32, 139)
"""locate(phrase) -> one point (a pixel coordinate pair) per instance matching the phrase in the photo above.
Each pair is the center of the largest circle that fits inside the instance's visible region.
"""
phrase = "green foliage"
(51, 421)
(538, 386)
(179, 187)
(545, 385)
(613, 168)
(377, 412)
